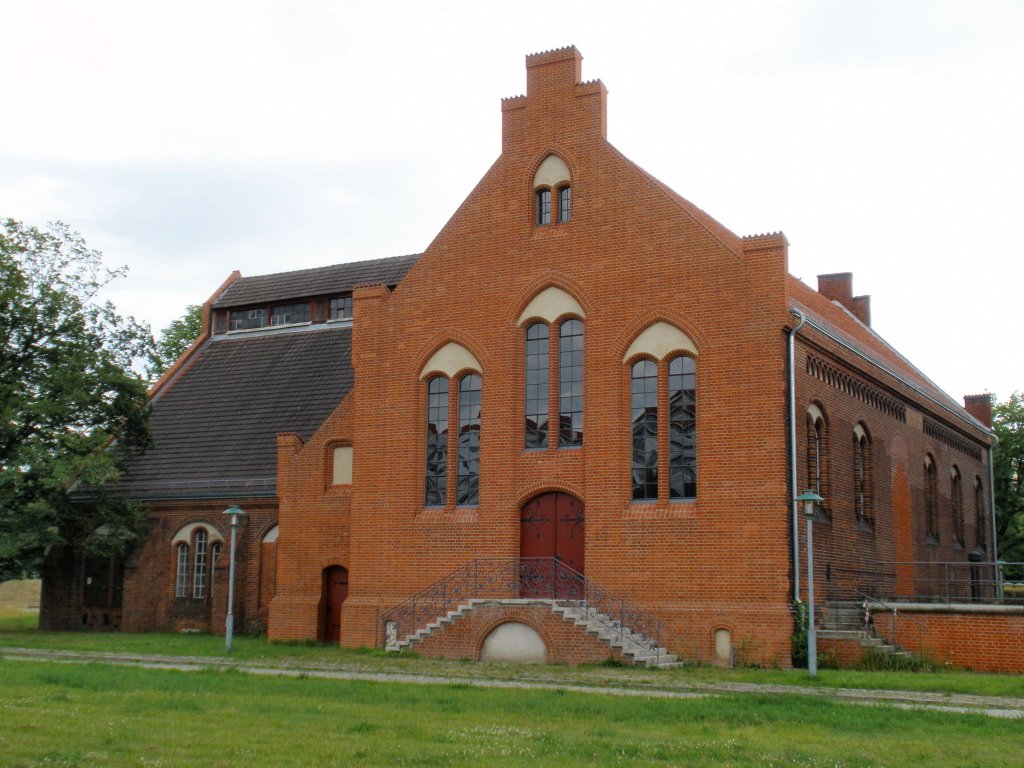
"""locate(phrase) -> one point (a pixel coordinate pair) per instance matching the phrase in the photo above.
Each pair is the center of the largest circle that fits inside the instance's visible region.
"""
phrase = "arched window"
(931, 500)
(682, 428)
(543, 206)
(862, 476)
(537, 393)
(181, 581)
(818, 456)
(199, 573)
(564, 204)
(570, 383)
(468, 491)
(980, 513)
(956, 506)
(644, 418)
(437, 442)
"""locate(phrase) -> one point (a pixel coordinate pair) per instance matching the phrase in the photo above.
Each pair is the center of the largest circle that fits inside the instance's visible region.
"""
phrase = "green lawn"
(95, 715)
(20, 632)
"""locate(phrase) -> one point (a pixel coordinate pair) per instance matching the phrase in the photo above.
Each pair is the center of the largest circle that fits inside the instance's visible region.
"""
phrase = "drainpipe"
(992, 498)
(795, 511)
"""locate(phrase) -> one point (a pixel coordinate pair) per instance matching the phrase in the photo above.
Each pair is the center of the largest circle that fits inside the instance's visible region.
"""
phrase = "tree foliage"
(1008, 467)
(175, 339)
(67, 391)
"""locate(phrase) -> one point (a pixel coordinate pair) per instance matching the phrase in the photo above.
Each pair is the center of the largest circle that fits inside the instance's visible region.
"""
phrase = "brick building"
(583, 387)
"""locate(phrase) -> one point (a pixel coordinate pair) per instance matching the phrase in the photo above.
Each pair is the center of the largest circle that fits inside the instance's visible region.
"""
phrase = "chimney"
(980, 407)
(838, 287)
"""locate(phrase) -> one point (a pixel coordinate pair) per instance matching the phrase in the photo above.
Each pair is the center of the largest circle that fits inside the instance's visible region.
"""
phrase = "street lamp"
(235, 513)
(809, 499)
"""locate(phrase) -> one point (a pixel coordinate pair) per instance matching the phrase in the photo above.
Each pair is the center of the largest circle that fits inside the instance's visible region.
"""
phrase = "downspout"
(992, 498)
(795, 511)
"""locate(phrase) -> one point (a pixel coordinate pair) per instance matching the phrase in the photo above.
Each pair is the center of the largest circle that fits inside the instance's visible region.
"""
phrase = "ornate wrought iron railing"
(516, 578)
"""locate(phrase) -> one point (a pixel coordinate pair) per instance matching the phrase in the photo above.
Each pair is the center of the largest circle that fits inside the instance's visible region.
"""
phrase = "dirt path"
(990, 706)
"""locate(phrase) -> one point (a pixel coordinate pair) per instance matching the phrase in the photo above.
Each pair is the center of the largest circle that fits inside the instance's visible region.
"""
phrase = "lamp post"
(229, 625)
(809, 499)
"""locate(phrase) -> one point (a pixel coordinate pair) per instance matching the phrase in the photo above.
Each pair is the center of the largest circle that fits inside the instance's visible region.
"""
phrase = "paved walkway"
(991, 706)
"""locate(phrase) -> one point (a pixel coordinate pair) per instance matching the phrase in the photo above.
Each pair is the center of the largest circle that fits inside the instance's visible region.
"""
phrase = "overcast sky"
(190, 139)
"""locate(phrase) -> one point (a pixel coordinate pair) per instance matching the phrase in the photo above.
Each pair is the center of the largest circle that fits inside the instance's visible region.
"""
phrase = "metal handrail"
(531, 577)
(921, 626)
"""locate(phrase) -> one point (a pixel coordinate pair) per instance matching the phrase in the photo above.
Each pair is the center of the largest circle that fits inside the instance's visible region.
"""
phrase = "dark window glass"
(564, 204)
(956, 501)
(544, 206)
(340, 308)
(437, 442)
(97, 582)
(644, 400)
(862, 478)
(469, 441)
(244, 319)
(290, 313)
(537, 386)
(570, 383)
(979, 513)
(931, 500)
(682, 428)
(817, 460)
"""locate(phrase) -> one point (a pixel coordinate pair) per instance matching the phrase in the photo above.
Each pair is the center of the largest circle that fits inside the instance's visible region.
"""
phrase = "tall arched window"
(199, 573)
(537, 392)
(818, 456)
(931, 499)
(181, 581)
(468, 477)
(862, 476)
(980, 513)
(570, 383)
(644, 417)
(682, 428)
(564, 204)
(436, 474)
(956, 506)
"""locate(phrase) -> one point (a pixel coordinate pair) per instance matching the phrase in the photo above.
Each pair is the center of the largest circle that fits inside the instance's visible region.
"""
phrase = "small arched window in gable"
(552, 175)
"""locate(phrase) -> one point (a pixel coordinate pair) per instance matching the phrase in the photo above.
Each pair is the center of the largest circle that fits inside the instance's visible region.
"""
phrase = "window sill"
(933, 540)
(338, 321)
(653, 509)
(448, 514)
(865, 526)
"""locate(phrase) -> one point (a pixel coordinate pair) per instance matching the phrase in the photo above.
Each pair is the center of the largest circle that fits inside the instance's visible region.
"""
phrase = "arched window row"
(195, 558)
(565, 383)
(467, 431)
(676, 420)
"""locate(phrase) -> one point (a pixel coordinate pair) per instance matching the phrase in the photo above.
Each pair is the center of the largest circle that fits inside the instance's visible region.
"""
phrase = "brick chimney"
(838, 287)
(980, 407)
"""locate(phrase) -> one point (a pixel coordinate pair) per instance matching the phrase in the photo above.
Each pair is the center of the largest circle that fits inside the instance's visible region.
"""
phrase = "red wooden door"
(551, 527)
(335, 592)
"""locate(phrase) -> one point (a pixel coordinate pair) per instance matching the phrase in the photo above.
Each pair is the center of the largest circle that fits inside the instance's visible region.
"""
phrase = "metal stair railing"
(526, 577)
(896, 615)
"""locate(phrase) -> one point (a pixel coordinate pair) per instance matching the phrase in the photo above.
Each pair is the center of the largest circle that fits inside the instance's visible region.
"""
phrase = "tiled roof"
(320, 281)
(848, 328)
(215, 428)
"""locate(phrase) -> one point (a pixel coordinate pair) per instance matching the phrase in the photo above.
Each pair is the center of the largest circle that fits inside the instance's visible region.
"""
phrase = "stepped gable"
(214, 431)
(845, 325)
(319, 281)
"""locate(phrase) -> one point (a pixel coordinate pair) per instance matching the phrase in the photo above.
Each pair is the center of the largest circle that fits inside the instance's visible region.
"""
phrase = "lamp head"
(235, 512)
(809, 499)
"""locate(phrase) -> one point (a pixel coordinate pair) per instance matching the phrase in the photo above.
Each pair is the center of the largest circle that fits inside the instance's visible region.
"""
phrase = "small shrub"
(799, 634)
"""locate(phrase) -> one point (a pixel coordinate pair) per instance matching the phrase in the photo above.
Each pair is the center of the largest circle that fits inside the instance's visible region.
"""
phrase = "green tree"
(175, 339)
(1008, 466)
(67, 392)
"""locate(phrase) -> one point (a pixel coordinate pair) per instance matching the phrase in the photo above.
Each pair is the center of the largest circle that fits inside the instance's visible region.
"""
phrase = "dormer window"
(552, 180)
(287, 314)
(245, 319)
(340, 308)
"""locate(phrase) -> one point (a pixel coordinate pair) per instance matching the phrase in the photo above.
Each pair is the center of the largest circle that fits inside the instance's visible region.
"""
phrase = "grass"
(16, 632)
(95, 715)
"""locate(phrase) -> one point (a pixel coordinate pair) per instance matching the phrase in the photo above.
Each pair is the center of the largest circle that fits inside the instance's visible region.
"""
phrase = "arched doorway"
(335, 590)
(551, 528)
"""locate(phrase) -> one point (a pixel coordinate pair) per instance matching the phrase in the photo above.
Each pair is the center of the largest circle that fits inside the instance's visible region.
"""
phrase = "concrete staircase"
(634, 647)
(846, 620)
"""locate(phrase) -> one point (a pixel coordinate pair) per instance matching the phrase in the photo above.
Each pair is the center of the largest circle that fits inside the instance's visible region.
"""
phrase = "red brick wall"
(566, 643)
(983, 642)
